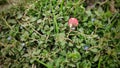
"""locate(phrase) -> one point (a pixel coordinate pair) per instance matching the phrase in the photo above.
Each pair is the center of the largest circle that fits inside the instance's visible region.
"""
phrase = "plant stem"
(6, 23)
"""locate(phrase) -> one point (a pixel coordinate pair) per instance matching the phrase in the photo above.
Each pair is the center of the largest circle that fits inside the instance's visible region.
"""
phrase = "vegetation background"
(35, 34)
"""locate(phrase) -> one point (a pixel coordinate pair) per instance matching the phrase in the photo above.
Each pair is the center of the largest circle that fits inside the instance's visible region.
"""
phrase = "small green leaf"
(12, 21)
(70, 44)
(19, 15)
(71, 65)
(96, 58)
(94, 50)
(75, 56)
(39, 21)
(25, 36)
(60, 37)
(33, 19)
(89, 13)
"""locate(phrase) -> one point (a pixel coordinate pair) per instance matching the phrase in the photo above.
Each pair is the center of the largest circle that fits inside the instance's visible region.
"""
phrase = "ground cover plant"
(37, 35)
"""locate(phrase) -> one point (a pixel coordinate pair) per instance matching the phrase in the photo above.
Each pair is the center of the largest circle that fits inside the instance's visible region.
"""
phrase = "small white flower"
(21, 27)
(86, 47)
(23, 44)
(9, 38)
(93, 19)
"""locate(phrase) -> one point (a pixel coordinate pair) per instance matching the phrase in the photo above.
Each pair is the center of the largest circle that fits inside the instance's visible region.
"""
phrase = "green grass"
(36, 34)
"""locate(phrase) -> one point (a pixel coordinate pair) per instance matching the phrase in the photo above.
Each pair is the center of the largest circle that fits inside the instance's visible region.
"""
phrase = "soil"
(8, 4)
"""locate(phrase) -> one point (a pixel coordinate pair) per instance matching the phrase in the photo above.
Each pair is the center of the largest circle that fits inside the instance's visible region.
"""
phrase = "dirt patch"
(6, 4)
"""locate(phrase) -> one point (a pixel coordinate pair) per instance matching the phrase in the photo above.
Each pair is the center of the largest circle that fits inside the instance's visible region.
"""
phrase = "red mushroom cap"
(73, 22)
